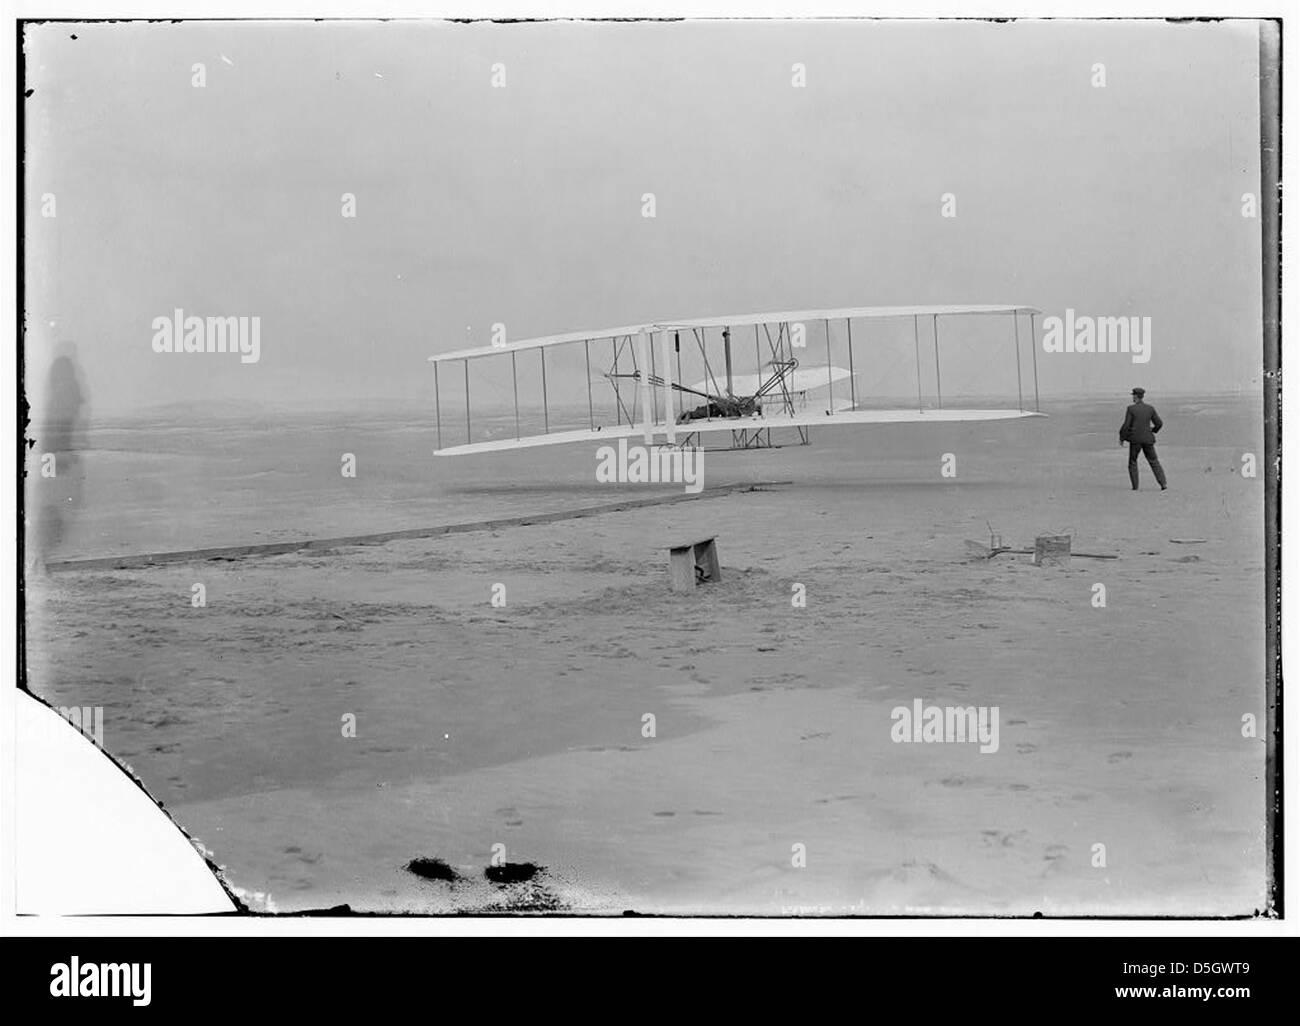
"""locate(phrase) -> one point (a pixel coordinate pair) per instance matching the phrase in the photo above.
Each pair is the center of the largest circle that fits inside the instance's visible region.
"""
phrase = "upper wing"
(541, 342)
(730, 320)
(841, 313)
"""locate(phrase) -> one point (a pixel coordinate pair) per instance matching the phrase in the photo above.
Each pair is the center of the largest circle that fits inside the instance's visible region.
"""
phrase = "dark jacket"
(1141, 422)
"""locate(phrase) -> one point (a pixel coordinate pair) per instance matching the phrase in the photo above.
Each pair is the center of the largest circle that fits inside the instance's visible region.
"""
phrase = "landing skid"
(743, 439)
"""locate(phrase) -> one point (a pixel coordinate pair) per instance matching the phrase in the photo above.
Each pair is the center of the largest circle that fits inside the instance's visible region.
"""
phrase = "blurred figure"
(57, 430)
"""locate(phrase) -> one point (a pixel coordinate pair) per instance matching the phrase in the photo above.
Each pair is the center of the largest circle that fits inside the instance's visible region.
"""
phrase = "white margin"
(319, 926)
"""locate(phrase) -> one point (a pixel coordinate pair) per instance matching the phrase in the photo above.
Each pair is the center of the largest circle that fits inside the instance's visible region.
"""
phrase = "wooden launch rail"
(230, 552)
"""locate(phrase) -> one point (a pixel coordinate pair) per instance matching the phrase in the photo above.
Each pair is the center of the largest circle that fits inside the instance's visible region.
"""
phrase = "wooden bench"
(692, 563)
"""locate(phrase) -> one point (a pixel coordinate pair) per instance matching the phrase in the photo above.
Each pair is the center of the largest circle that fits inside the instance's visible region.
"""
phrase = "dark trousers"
(1149, 450)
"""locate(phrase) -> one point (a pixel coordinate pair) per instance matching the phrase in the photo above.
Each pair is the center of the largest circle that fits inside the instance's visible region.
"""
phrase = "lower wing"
(660, 433)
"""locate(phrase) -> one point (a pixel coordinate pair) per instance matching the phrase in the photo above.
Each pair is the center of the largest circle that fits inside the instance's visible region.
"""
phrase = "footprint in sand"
(1004, 838)
(666, 813)
(1025, 747)
(1118, 756)
(914, 871)
(1054, 856)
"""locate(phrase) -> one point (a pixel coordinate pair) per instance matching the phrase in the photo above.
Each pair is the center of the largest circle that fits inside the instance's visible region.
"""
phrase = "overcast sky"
(523, 204)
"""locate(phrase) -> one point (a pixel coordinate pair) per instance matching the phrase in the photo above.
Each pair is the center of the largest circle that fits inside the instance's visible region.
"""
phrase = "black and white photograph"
(562, 468)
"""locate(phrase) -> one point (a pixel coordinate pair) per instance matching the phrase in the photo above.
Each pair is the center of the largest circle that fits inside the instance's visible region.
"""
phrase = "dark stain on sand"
(432, 869)
(512, 872)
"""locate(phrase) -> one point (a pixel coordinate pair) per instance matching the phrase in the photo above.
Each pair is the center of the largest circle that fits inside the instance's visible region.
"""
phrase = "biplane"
(792, 384)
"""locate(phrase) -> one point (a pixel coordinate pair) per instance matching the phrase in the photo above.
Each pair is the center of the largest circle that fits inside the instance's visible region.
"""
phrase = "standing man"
(1141, 422)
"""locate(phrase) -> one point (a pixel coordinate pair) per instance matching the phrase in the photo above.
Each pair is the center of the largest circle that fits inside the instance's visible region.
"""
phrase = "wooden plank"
(692, 543)
(232, 552)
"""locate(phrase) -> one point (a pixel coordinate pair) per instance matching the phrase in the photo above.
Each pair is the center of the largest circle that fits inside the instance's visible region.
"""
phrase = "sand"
(479, 727)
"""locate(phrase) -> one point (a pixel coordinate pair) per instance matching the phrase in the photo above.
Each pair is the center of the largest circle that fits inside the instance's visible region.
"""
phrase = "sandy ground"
(522, 726)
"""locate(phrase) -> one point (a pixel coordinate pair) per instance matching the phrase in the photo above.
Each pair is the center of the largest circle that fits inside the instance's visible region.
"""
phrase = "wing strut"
(677, 345)
(938, 383)
(437, 404)
(647, 401)
(586, 352)
(670, 419)
(546, 414)
(830, 391)
(514, 380)
(726, 349)
(853, 390)
(1033, 348)
(618, 399)
(1020, 393)
(916, 344)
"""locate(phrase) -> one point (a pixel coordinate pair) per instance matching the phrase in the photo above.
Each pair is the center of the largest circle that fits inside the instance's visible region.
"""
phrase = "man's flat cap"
(1139, 392)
